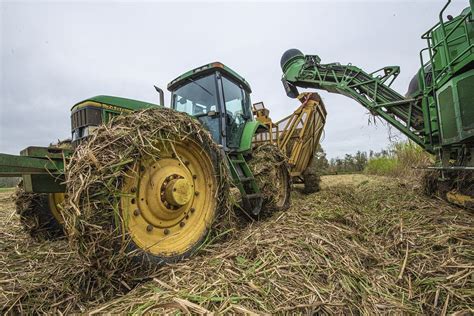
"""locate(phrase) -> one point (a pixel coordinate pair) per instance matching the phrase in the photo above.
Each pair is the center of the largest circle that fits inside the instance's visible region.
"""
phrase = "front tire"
(270, 170)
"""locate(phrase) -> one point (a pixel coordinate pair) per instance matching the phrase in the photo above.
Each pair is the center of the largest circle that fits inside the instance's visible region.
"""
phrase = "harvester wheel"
(149, 194)
(39, 213)
(311, 179)
(311, 182)
(270, 170)
(429, 182)
(458, 190)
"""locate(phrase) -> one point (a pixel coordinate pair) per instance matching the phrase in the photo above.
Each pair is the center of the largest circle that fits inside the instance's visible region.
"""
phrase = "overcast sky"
(54, 54)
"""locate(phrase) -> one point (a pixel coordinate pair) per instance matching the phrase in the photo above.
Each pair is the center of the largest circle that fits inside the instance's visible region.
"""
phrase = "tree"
(360, 160)
(321, 162)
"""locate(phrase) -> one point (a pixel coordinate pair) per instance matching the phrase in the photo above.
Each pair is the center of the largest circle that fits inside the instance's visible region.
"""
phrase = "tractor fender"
(247, 134)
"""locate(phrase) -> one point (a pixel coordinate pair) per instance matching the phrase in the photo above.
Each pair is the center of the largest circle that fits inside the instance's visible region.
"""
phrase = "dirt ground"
(363, 244)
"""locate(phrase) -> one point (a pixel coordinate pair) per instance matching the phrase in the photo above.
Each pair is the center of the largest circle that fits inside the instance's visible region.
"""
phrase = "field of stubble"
(363, 244)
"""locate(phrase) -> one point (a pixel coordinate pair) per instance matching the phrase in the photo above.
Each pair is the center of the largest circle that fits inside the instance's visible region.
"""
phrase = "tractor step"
(244, 180)
(247, 179)
(254, 196)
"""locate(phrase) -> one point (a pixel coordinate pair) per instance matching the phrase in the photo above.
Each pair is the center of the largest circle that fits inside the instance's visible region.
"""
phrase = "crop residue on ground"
(361, 245)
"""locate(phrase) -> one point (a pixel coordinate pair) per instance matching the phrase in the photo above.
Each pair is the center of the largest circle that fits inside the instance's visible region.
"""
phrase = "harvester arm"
(371, 90)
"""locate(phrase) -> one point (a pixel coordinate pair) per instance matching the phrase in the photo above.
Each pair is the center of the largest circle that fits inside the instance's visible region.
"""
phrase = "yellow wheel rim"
(55, 201)
(169, 203)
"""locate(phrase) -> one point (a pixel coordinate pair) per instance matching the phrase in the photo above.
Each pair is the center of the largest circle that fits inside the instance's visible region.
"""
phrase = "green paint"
(204, 70)
(128, 104)
(456, 109)
(41, 168)
(16, 166)
(44, 183)
(245, 182)
(247, 135)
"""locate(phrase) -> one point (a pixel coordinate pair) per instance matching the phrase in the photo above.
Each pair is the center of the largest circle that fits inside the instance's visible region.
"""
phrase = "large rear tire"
(147, 189)
(270, 170)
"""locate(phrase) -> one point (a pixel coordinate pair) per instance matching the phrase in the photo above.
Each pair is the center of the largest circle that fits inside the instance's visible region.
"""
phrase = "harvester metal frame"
(297, 135)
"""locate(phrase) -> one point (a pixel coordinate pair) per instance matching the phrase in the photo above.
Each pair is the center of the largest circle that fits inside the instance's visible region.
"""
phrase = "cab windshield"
(197, 97)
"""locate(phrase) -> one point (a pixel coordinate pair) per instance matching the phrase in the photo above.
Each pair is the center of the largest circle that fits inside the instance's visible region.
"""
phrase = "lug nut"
(133, 190)
(149, 228)
(166, 231)
(192, 209)
(182, 224)
(186, 162)
(195, 176)
(136, 212)
(196, 193)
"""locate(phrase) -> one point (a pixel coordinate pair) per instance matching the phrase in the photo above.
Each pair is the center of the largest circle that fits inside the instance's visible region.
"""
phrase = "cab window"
(236, 115)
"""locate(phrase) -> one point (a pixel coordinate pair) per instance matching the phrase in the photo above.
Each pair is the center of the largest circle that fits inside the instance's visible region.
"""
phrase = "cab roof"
(207, 69)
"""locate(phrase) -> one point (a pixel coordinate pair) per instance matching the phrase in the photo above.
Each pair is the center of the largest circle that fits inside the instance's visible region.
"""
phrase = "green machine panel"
(456, 108)
(459, 34)
(466, 97)
(447, 114)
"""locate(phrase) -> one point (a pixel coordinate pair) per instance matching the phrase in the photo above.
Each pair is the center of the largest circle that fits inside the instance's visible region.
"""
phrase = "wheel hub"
(178, 192)
(165, 190)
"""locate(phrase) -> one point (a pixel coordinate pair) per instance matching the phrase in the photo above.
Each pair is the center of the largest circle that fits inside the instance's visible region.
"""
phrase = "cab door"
(236, 111)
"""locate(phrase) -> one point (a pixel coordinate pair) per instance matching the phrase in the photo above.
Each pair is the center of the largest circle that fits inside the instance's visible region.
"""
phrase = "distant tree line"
(350, 163)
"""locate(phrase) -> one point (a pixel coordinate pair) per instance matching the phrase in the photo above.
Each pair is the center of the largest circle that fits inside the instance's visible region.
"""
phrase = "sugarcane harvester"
(437, 112)
(172, 182)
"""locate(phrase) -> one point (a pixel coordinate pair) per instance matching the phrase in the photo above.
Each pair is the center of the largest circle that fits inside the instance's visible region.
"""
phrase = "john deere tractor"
(437, 112)
(161, 173)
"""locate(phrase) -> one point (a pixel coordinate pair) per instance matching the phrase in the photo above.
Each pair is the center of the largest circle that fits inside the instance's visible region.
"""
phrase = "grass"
(7, 189)
(382, 166)
(403, 161)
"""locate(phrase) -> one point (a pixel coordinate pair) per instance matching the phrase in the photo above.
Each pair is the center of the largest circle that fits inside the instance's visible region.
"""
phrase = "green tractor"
(163, 175)
(437, 112)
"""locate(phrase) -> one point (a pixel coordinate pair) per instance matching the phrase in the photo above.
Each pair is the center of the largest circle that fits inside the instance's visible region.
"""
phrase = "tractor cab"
(218, 97)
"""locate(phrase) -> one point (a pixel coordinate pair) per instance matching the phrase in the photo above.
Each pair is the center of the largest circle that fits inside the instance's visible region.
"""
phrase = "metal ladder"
(244, 180)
